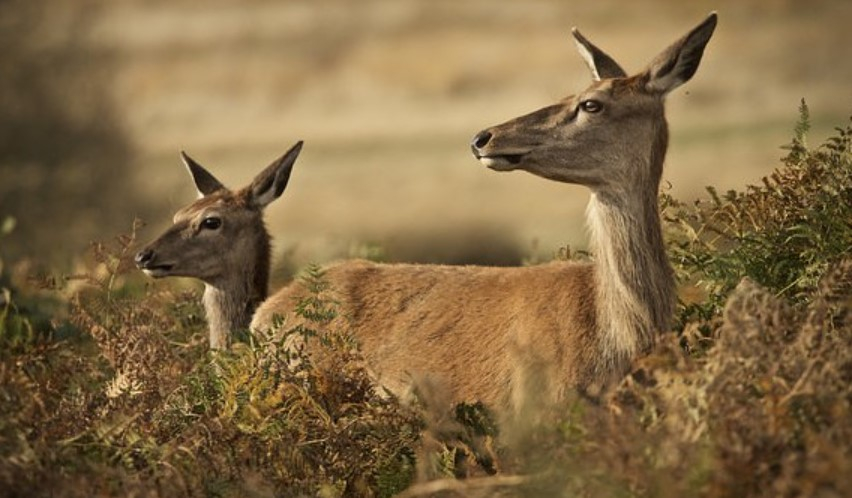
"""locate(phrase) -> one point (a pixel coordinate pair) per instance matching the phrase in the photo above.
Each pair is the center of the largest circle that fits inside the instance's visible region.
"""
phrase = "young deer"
(221, 240)
(499, 335)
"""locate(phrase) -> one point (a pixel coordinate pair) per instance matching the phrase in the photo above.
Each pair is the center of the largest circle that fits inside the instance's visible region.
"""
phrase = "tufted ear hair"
(270, 183)
(678, 63)
(205, 182)
(600, 64)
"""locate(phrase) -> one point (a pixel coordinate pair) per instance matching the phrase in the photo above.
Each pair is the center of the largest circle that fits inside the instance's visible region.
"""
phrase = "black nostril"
(481, 139)
(144, 256)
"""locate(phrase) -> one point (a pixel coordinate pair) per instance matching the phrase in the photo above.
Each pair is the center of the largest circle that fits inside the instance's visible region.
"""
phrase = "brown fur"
(471, 328)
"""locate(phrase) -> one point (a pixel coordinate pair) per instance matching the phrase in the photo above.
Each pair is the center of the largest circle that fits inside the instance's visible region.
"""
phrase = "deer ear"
(270, 183)
(601, 64)
(205, 183)
(678, 63)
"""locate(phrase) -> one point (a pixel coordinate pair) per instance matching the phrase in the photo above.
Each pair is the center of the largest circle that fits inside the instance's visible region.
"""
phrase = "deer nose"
(144, 257)
(479, 141)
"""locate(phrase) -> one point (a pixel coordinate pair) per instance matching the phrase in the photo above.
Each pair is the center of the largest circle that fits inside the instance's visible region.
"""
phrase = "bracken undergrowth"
(107, 387)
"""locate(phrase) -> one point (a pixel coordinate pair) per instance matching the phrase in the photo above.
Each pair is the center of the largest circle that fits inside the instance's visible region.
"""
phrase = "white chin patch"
(497, 163)
(155, 273)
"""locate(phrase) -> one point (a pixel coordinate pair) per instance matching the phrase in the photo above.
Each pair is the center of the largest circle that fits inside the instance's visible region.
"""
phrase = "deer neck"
(230, 303)
(634, 281)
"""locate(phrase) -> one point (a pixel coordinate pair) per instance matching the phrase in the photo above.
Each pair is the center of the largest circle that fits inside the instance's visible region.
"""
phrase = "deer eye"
(591, 106)
(211, 223)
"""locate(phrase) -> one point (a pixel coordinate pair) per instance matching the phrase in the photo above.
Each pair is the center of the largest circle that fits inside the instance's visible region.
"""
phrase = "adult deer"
(493, 334)
(221, 240)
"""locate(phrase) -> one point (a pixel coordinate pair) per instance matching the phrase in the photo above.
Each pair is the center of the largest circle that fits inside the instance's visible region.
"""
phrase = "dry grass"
(117, 395)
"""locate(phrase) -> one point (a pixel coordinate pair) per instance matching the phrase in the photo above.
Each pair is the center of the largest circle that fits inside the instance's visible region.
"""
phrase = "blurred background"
(98, 97)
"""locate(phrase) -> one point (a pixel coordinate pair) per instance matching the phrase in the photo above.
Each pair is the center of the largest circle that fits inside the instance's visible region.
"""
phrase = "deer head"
(597, 137)
(221, 235)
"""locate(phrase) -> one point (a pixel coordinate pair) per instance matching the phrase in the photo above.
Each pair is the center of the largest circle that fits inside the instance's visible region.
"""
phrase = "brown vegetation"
(752, 396)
